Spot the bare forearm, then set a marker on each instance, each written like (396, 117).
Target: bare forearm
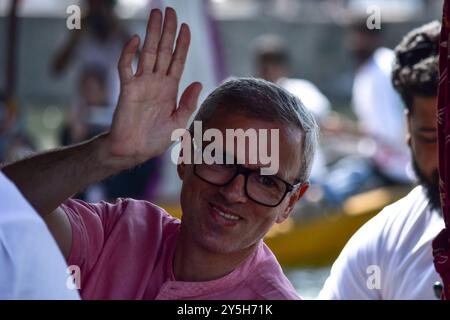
(48, 179)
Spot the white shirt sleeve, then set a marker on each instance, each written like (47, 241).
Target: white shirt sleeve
(356, 274)
(32, 267)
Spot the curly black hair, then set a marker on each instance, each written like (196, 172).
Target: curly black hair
(415, 70)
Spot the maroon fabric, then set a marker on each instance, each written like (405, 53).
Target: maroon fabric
(441, 244)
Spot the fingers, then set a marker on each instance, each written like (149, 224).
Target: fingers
(157, 53)
(165, 47)
(149, 51)
(188, 102)
(126, 59)
(181, 50)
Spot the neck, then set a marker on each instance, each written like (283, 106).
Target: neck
(195, 263)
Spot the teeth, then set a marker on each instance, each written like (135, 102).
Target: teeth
(226, 215)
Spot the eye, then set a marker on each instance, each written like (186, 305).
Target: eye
(427, 139)
(267, 181)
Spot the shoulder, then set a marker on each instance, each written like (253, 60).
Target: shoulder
(301, 88)
(122, 206)
(384, 57)
(127, 213)
(19, 222)
(297, 83)
(377, 68)
(267, 279)
(145, 213)
(376, 243)
(309, 94)
(397, 214)
(127, 226)
(399, 217)
(13, 205)
(392, 222)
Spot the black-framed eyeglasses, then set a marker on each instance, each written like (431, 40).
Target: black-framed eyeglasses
(266, 190)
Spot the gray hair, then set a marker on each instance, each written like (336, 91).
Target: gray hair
(264, 100)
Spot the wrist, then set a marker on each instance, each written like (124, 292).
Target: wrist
(110, 157)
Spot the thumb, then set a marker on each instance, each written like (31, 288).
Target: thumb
(188, 103)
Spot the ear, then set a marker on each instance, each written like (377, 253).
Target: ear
(293, 199)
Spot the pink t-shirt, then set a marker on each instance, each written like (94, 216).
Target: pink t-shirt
(125, 251)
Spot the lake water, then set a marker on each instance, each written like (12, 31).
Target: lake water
(308, 282)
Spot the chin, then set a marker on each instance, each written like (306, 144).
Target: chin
(216, 244)
(221, 245)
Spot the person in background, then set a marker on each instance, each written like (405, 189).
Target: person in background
(384, 159)
(390, 257)
(97, 43)
(378, 106)
(90, 116)
(273, 63)
(94, 51)
(338, 181)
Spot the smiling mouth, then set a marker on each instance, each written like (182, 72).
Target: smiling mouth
(226, 214)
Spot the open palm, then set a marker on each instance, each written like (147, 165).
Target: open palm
(147, 110)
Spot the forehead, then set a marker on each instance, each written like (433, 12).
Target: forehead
(289, 142)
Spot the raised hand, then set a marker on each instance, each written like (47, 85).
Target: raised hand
(147, 110)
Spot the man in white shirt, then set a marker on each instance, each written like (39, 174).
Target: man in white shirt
(390, 257)
(32, 267)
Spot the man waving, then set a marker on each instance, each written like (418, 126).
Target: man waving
(135, 250)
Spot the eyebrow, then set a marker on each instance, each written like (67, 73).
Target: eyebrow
(256, 168)
(227, 154)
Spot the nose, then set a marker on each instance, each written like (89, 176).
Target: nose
(235, 190)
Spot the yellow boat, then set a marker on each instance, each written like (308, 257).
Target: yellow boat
(318, 241)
